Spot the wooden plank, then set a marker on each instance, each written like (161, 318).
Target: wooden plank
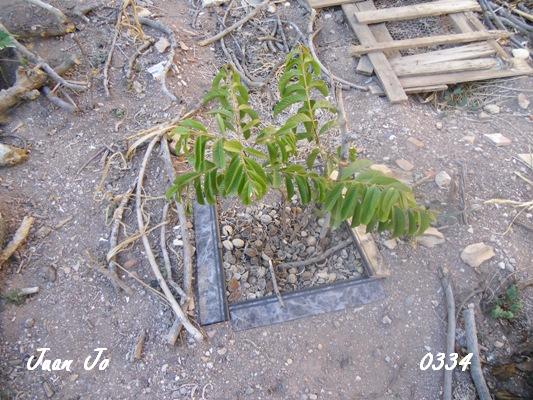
(377, 90)
(416, 11)
(364, 66)
(316, 4)
(465, 52)
(383, 70)
(445, 66)
(478, 25)
(428, 41)
(520, 67)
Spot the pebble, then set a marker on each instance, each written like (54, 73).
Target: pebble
(498, 139)
(438, 125)
(292, 279)
(404, 164)
(443, 180)
(417, 143)
(498, 344)
(238, 243)
(390, 244)
(162, 44)
(51, 274)
(311, 241)
(29, 323)
(477, 253)
(227, 245)
(227, 230)
(492, 108)
(430, 238)
(501, 264)
(313, 396)
(265, 219)
(222, 351)
(523, 101)
(522, 54)
(289, 361)
(386, 320)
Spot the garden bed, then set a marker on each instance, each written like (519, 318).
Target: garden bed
(288, 234)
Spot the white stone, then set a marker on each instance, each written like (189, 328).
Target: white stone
(477, 253)
(238, 243)
(386, 320)
(404, 164)
(498, 139)
(430, 238)
(162, 44)
(527, 158)
(443, 180)
(227, 245)
(523, 101)
(522, 54)
(492, 108)
(390, 244)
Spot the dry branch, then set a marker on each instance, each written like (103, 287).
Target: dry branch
(28, 80)
(236, 25)
(20, 236)
(314, 260)
(56, 12)
(149, 253)
(274, 281)
(472, 345)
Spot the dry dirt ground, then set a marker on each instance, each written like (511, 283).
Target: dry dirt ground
(353, 354)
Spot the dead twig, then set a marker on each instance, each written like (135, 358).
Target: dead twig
(149, 253)
(319, 258)
(57, 101)
(131, 63)
(472, 345)
(274, 280)
(236, 25)
(115, 281)
(20, 236)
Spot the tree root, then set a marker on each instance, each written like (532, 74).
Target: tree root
(20, 236)
(149, 253)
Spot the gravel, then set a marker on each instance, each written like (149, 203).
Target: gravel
(252, 235)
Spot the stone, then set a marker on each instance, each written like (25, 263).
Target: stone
(265, 219)
(430, 238)
(522, 54)
(50, 274)
(527, 158)
(386, 320)
(222, 351)
(443, 180)
(227, 230)
(498, 344)
(385, 170)
(492, 108)
(311, 241)
(523, 101)
(43, 232)
(238, 243)
(227, 245)
(469, 139)
(404, 164)
(137, 87)
(130, 263)
(438, 125)
(417, 143)
(29, 323)
(390, 244)
(498, 139)
(292, 279)
(477, 253)
(289, 361)
(483, 115)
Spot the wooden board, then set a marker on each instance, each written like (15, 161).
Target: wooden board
(444, 66)
(465, 52)
(328, 3)
(416, 11)
(428, 41)
(364, 66)
(382, 68)
(374, 88)
(478, 25)
(520, 67)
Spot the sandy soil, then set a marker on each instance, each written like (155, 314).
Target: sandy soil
(353, 354)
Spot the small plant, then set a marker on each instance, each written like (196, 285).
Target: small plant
(14, 297)
(246, 158)
(508, 306)
(5, 40)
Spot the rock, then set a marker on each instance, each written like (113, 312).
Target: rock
(386, 320)
(162, 44)
(313, 396)
(50, 274)
(404, 164)
(137, 87)
(483, 115)
(238, 243)
(227, 245)
(527, 158)
(443, 180)
(222, 351)
(523, 101)
(292, 279)
(385, 170)
(130, 263)
(303, 234)
(498, 139)
(43, 232)
(417, 143)
(157, 70)
(492, 108)
(469, 139)
(265, 219)
(390, 244)
(311, 241)
(29, 323)
(438, 125)
(289, 361)
(475, 254)
(501, 265)
(522, 54)
(227, 230)
(498, 344)
(430, 238)
(178, 242)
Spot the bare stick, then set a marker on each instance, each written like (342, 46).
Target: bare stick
(149, 253)
(450, 336)
(115, 227)
(41, 63)
(236, 25)
(174, 332)
(166, 258)
(110, 54)
(274, 280)
(20, 236)
(472, 346)
(57, 13)
(27, 291)
(57, 101)
(314, 260)
(345, 84)
(131, 63)
(170, 60)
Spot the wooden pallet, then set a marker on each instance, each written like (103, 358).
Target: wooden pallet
(476, 54)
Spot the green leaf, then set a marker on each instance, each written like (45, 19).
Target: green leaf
(354, 168)
(233, 146)
(310, 160)
(192, 123)
(327, 126)
(5, 40)
(332, 197)
(219, 157)
(425, 220)
(370, 204)
(304, 189)
(349, 202)
(198, 189)
(320, 86)
(398, 218)
(296, 120)
(289, 186)
(288, 101)
(199, 153)
(221, 124)
(388, 199)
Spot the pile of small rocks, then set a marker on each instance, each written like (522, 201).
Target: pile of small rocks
(283, 233)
